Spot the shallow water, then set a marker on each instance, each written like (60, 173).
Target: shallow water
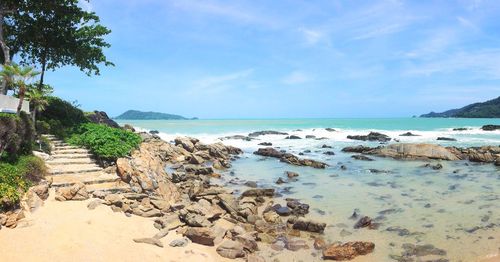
(455, 209)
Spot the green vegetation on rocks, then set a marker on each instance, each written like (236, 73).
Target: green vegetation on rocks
(488, 109)
(17, 176)
(105, 142)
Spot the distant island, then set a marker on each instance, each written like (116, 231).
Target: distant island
(488, 109)
(140, 115)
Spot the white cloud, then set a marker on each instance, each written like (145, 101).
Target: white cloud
(219, 83)
(311, 36)
(296, 77)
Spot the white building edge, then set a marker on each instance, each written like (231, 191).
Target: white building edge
(8, 104)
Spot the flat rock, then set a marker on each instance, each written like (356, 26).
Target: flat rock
(149, 240)
(347, 251)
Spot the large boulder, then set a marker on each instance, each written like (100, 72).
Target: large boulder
(145, 172)
(201, 235)
(231, 249)
(307, 225)
(289, 158)
(490, 127)
(347, 251)
(372, 136)
(100, 117)
(415, 151)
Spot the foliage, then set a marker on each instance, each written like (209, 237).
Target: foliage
(38, 97)
(62, 117)
(17, 176)
(16, 134)
(55, 33)
(18, 77)
(105, 142)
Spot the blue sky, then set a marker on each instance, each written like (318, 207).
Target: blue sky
(286, 59)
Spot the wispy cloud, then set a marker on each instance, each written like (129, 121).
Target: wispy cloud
(311, 36)
(219, 83)
(296, 77)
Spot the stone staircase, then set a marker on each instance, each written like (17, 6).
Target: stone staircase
(69, 165)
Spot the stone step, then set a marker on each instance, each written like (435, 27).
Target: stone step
(64, 147)
(73, 169)
(110, 187)
(87, 178)
(70, 151)
(70, 161)
(72, 156)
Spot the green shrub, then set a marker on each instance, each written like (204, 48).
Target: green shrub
(105, 142)
(17, 176)
(62, 116)
(16, 134)
(42, 127)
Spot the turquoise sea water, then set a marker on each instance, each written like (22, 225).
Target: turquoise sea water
(455, 209)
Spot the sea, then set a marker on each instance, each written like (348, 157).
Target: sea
(448, 214)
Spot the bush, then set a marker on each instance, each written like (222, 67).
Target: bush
(42, 127)
(17, 176)
(16, 134)
(62, 116)
(105, 142)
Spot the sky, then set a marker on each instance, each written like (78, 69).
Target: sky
(291, 58)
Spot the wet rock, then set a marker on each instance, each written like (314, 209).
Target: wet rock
(326, 146)
(230, 249)
(265, 144)
(280, 181)
(310, 136)
(149, 240)
(297, 208)
(329, 153)
(347, 251)
(180, 242)
(258, 192)
(378, 171)
(362, 157)
(282, 210)
(251, 184)
(490, 127)
(359, 149)
(78, 191)
(289, 158)
(266, 132)
(446, 139)
(307, 225)
(408, 134)
(330, 129)
(365, 222)
(186, 143)
(291, 174)
(415, 151)
(422, 250)
(399, 230)
(293, 137)
(372, 136)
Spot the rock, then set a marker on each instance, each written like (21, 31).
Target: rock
(326, 146)
(272, 217)
(446, 138)
(258, 192)
(186, 143)
(267, 132)
(281, 210)
(347, 251)
(296, 244)
(359, 149)
(415, 151)
(94, 203)
(408, 134)
(265, 144)
(307, 225)
(330, 129)
(289, 158)
(298, 209)
(490, 127)
(372, 136)
(460, 129)
(12, 217)
(255, 258)
(230, 249)
(362, 157)
(100, 117)
(78, 191)
(329, 153)
(422, 250)
(319, 244)
(293, 137)
(160, 204)
(310, 136)
(251, 184)
(114, 199)
(200, 235)
(180, 242)
(291, 174)
(365, 222)
(33, 201)
(149, 240)
(129, 128)
(280, 181)
(42, 190)
(196, 160)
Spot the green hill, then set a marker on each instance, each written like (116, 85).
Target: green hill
(488, 109)
(139, 115)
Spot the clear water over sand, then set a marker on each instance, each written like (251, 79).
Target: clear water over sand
(456, 208)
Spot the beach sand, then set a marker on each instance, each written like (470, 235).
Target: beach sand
(68, 231)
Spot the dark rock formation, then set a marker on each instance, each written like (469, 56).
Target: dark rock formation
(100, 117)
(372, 136)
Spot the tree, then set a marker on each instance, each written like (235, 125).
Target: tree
(39, 98)
(7, 8)
(18, 77)
(55, 33)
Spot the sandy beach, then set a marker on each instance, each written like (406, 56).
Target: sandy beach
(59, 231)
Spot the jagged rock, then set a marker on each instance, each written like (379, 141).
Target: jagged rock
(149, 240)
(258, 192)
(362, 157)
(230, 249)
(307, 225)
(248, 240)
(372, 136)
(358, 149)
(348, 251)
(365, 222)
(416, 151)
(293, 137)
(490, 127)
(33, 201)
(12, 217)
(114, 199)
(100, 117)
(42, 190)
(78, 191)
(200, 235)
(289, 158)
(272, 217)
(160, 204)
(186, 143)
(267, 132)
(298, 209)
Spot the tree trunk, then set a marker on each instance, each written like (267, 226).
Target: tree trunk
(44, 66)
(6, 53)
(22, 90)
